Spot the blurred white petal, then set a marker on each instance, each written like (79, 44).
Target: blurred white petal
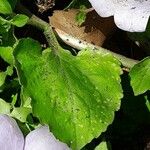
(11, 138)
(42, 139)
(129, 15)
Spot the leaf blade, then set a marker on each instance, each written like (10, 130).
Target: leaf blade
(72, 91)
(19, 20)
(140, 76)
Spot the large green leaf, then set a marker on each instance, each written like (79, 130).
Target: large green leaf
(140, 76)
(75, 95)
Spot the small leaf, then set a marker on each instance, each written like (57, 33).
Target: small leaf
(147, 103)
(76, 96)
(20, 113)
(4, 107)
(5, 7)
(8, 38)
(9, 70)
(6, 54)
(14, 100)
(2, 78)
(3, 75)
(81, 15)
(19, 20)
(140, 76)
(102, 146)
(5, 25)
(77, 3)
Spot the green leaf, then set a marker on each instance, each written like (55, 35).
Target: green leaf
(8, 38)
(4, 25)
(5, 7)
(147, 103)
(20, 113)
(9, 71)
(77, 3)
(76, 95)
(102, 146)
(14, 100)
(7, 54)
(81, 15)
(19, 20)
(140, 76)
(4, 107)
(2, 78)
(12, 3)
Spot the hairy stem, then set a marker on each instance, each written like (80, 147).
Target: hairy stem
(42, 25)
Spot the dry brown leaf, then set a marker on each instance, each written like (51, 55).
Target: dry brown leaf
(94, 30)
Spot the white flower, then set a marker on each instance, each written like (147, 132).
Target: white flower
(129, 15)
(42, 139)
(11, 137)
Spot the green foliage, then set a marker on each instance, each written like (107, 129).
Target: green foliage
(2, 78)
(5, 7)
(13, 3)
(21, 113)
(19, 20)
(4, 74)
(77, 96)
(81, 15)
(7, 22)
(7, 54)
(82, 6)
(140, 76)
(78, 3)
(102, 146)
(73, 91)
(5, 107)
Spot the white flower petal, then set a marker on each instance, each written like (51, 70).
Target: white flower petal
(131, 21)
(11, 138)
(104, 8)
(129, 15)
(42, 139)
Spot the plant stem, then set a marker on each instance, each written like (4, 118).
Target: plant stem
(72, 41)
(47, 30)
(42, 25)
